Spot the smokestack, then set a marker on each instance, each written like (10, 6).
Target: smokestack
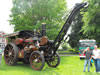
(43, 29)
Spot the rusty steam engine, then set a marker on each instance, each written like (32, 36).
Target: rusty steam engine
(34, 47)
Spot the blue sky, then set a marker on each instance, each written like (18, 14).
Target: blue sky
(5, 7)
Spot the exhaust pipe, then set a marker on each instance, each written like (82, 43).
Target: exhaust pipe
(43, 29)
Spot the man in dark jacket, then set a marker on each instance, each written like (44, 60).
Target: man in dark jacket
(87, 58)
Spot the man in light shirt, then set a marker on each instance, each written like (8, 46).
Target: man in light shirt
(96, 54)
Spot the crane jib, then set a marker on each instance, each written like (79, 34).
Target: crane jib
(65, 27)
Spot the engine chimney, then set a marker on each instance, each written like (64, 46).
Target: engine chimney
(43, 29)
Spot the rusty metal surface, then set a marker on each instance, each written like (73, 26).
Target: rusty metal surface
(21, 54)
(44, 40)
(18, 41)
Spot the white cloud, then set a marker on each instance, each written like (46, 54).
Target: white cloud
(71, 3)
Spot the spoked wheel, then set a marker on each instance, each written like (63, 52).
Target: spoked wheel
(37, 60)
(10, 54)
(54, 61)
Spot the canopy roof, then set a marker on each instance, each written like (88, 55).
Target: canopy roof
(22, 34)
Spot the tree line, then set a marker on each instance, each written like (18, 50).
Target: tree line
(29, 14)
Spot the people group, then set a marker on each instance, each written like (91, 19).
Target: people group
(95, 54)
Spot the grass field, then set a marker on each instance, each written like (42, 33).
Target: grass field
(70, 65)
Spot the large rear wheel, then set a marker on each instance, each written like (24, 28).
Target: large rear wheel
(37, 60)
(54, 61)
(10, 54)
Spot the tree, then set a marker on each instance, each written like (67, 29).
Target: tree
(29, 14)
(91, 19)
(76, 35)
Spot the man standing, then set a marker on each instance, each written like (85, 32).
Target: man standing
(87, 58)
(96, 54)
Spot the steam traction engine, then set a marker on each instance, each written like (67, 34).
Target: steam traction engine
(34, 47)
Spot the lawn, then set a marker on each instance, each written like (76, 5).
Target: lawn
(70, 65)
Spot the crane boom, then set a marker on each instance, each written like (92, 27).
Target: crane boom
(65, 27)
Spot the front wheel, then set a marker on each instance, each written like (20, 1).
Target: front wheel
(54, 61)
(11, 54)
(37, 60)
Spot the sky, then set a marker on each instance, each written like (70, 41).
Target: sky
(5, 7)
(71, 3)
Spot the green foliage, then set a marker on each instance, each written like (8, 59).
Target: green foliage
(86, 24)
(91, 19)
(65, 46)
(72, 50)
(29, 14)
(76, 35)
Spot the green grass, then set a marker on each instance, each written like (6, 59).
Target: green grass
(68, 66)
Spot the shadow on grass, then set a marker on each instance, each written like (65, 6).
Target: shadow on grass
(26, 69)
(68, 66)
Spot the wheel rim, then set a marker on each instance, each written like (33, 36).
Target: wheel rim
(36, 61)
(9, 54)
(54, 61)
